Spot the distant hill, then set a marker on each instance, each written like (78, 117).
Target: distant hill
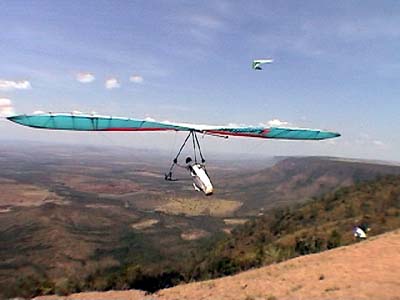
(297, 179)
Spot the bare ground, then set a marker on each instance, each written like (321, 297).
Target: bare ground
(194, 234)
(200, 206)
(91, 184)
(144, 224)
(367, 270)
(17, 194)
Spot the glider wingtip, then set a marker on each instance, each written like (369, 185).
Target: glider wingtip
(12, 118)
(332, 135)
(16, 119)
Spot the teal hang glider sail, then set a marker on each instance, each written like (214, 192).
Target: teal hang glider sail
(87, 122)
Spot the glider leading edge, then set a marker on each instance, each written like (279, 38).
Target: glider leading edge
(201, 180)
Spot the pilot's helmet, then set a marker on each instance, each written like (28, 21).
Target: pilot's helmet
(188, 160)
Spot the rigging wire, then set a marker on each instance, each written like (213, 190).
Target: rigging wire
(196, 148)
(168, 176)
(201, 154)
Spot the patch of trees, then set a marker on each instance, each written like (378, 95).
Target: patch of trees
(132, 277)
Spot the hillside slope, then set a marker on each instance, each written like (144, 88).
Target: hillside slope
(366, 270)
(297, 179)
(319, 224)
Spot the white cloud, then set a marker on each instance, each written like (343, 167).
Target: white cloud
(206, 21)
(136, 79)
(6, 108)
(38, 112)
(277, 123)
(200, 30)
(330, 142)
(369, 28)
(365, 139)
(85, 77)
(9, 85)
(378, 143)
(112, 83)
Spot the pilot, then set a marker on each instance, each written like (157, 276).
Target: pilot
(189, 163)
(201, 180)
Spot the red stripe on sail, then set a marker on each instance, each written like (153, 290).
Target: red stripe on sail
(135, 129)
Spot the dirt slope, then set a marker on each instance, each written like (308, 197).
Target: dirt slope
(367, 270)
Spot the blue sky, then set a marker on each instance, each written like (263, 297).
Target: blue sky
(336, 66)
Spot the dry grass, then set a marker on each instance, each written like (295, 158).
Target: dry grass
(201, 206)
(91, 184)
(194, 235)
(111, 295)
(16, 194)
(6, 180)
(227, 230)
(103, 206)
(144, 224)
(234, 222)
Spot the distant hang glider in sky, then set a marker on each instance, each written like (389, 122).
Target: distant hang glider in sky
(83, 122)
(257, 63)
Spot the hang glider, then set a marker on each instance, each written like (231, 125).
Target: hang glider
(198, 172)
(83, 122)
(257, 63)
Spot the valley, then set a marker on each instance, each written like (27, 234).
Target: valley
(74, 218)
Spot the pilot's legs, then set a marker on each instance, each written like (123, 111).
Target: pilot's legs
(196, 188)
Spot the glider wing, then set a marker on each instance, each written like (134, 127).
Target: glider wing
(82, 122)
(258, 62)
(276, 133)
